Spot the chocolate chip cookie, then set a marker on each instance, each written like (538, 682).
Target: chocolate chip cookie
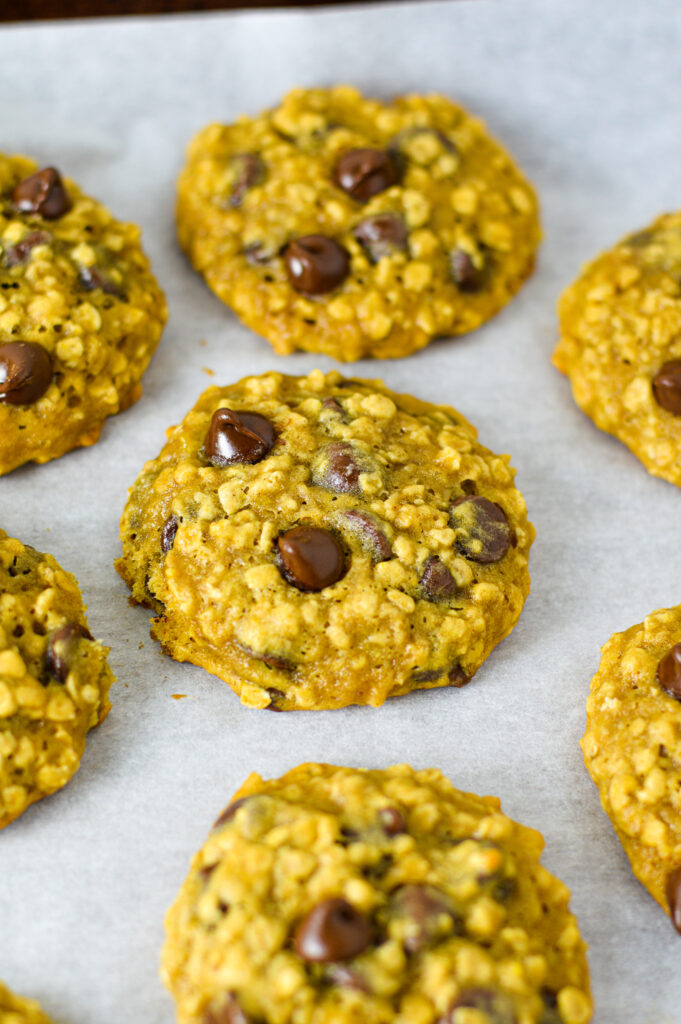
(318, 541)
(17, 1010)
(54, 679)
(632, 748)
(335, 223)
(358, 897)
(620, 344)
(80, 314)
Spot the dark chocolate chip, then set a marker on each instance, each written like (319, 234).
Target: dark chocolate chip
(168, 533)
(333, 406)
(238, 437)
(468, 486)
(339, 468)
(25, 372)
(229, 811)
(673, 893)
(427, 675)
(44, 193)
(20, 252)
(226, 1012)
(273, 660)
(62, 648)
(363, 173)
(392, 821)
(249, 170)
(437, 581)
(457, 677)
(275, 696)
(464, 272)
(669, 672)
(484, 533)
(370, 534)
(333, 930)
(381, 235)
(316, 264)
(667, 387)
(311, 558)
(428, 912)
(92, 278)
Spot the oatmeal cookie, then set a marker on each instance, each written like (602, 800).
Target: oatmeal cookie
(620, 344)
(366, 897)
(80, 314)
(632, 748)
(17, 1010)
(318, 541)
(338, 224)
(54, 679)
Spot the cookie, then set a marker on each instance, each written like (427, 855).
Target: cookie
(80, 314)
(632, 748)
(353, 896)
(620, 344)
(17, 1010)
(318, 541)
(54, 679)
(338, 224)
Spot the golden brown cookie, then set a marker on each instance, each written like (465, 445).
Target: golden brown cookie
(17, 1010)
(317, 541)
(339, 224)
(80, 314)
(620, 344)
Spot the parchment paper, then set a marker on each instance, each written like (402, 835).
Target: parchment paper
(586, 94)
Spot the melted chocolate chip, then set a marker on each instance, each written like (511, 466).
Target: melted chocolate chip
(464, 272)
(363, 173)
(273, 660)
(226, 1012)
(249, 170)
(673, 893)
(168, 533)
(238, 437)
(20, 252)
(669, 672)
(62, 648)
(370, 534)
(92, 278)
(333, 930)
(437, 581)
(340, 469)
(484, 533)
(392, 821)
(311, 558)
(43, 193)
(275, 696)
(428, 913)
(427, 675)
(229, 811)
(667, 387)
(457, 677)
(316, 264)
(25, 372)
(381, 235)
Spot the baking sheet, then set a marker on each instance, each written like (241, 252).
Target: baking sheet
(586, 95)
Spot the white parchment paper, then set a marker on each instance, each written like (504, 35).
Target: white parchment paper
(587, 95)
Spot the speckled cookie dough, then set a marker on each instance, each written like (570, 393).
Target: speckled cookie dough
(338, 224)
(80, 314)
(345, 896)
(620, 344)
(318, 541)
(17, 1010)
(632, 748)
(54, 680)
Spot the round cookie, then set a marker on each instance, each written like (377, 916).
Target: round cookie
(54, 679)
(632, 748)
(337, 224)
(351, 896)
(620, 344)
(17, 1010)
(318, 541)
(80, 314)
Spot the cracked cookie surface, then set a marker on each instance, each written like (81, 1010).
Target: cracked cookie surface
(318, 541)
(54, 679)
(338, 224)
(80, 314)
(620, 344)
(18, 1010)
(632, 748)
(346, 895)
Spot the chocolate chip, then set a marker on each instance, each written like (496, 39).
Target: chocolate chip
(338, 469)
(667, 387)
(238, 437)
(392, 821)
(168, 533)
(316, 264)
(370, 534)
(427, 912)
(669, 672)
(469, 486)
(333, 930)
(229, 811)
(427, 675)
(92, 278)
(464, 272)
(275, 696)
(62, 648)
(673, 893)
(43, 193)
(311, 558)
(333, 406)
(484, 533)
(457, 677)
(25, 372)
(249, 170)
(273, 660)
(363, 173)
(381, 235)
(437, 581)
(20, 252)
(227, 1012)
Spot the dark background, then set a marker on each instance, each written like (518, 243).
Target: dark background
(27, 10)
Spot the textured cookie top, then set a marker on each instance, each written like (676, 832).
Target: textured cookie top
(339, 224)
(361, 544)
(80, 314)
(17, 1010)
(336, 894)
(632, 748)
(620, 344)
(54, 680)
